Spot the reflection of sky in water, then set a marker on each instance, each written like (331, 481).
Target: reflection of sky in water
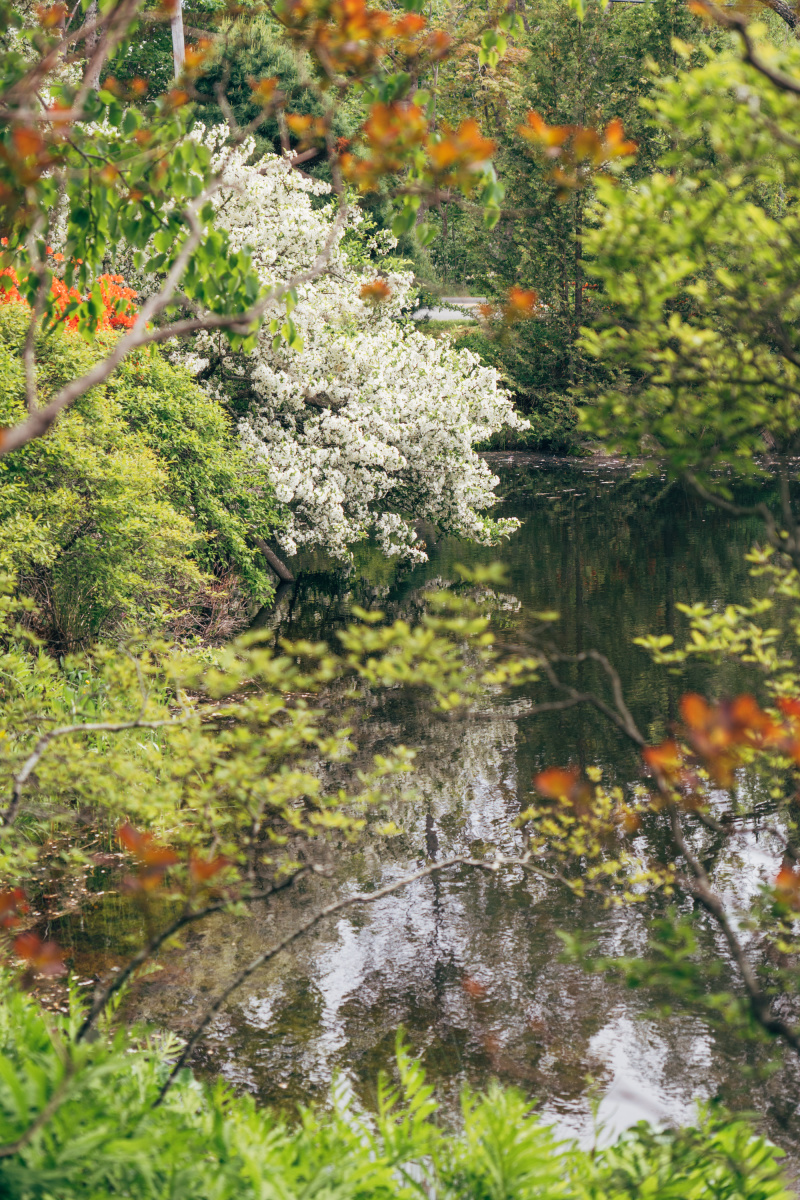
(468, 964)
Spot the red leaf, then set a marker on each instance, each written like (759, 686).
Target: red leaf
(12, 905)
(202, 869)
(45, 957)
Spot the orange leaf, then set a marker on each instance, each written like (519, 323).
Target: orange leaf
(27, 142)
(264, 89)
(203, 869)
(787, 884)
(51, 16)
(665, 759)
(557, 783)
(522, 303)
(12, 905)
(143, 847)
(695, 711)
(375, 292)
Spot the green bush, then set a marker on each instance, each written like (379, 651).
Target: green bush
(101, 1136)
(138, 496)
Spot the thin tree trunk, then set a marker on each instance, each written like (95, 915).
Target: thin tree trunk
(280, 569)
(578, 268)
(92, 68)
(178, 43)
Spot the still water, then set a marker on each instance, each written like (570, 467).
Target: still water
(470, 965)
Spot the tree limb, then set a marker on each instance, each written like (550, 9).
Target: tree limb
(345, 902)
(21, 778)
(157, 941)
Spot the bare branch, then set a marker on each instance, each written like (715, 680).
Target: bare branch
(329, 910)
(620, 716)
(157, 941)
(701, 888)
(29, 766)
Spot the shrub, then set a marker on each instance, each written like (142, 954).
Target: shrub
(137, 494)
(101, 1136)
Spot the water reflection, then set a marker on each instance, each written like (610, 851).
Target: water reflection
(469, 964)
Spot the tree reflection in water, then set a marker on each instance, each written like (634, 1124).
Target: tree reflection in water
(467, 963)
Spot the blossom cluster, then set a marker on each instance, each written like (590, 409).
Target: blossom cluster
(367, 426)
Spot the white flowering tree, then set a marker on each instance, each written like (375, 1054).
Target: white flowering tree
(367, 425)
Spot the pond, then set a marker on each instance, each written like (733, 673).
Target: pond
(470, 965)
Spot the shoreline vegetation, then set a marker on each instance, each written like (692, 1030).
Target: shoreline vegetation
(212, 224)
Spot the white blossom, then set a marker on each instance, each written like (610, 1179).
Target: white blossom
(370, 427)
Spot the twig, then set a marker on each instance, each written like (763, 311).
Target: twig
(39, 422)
(621, 716)
(701, 888)
(157, 941)
(738, 23)
(21, 778)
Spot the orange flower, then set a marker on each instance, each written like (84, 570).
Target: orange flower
(9, 295)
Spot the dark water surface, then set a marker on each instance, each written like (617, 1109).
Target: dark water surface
(468, 964)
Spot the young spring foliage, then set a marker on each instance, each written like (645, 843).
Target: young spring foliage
(104, 1137)
(699, 271)
(136, 501)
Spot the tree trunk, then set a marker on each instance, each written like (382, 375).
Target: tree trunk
(92, 68)
(178, 43)
(280, 569)
(785, 12)
(578, 267)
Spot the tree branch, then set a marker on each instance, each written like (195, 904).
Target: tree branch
(38, 423)
(21, 778)
(491, 865)
(738, 23)
(157, 941)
